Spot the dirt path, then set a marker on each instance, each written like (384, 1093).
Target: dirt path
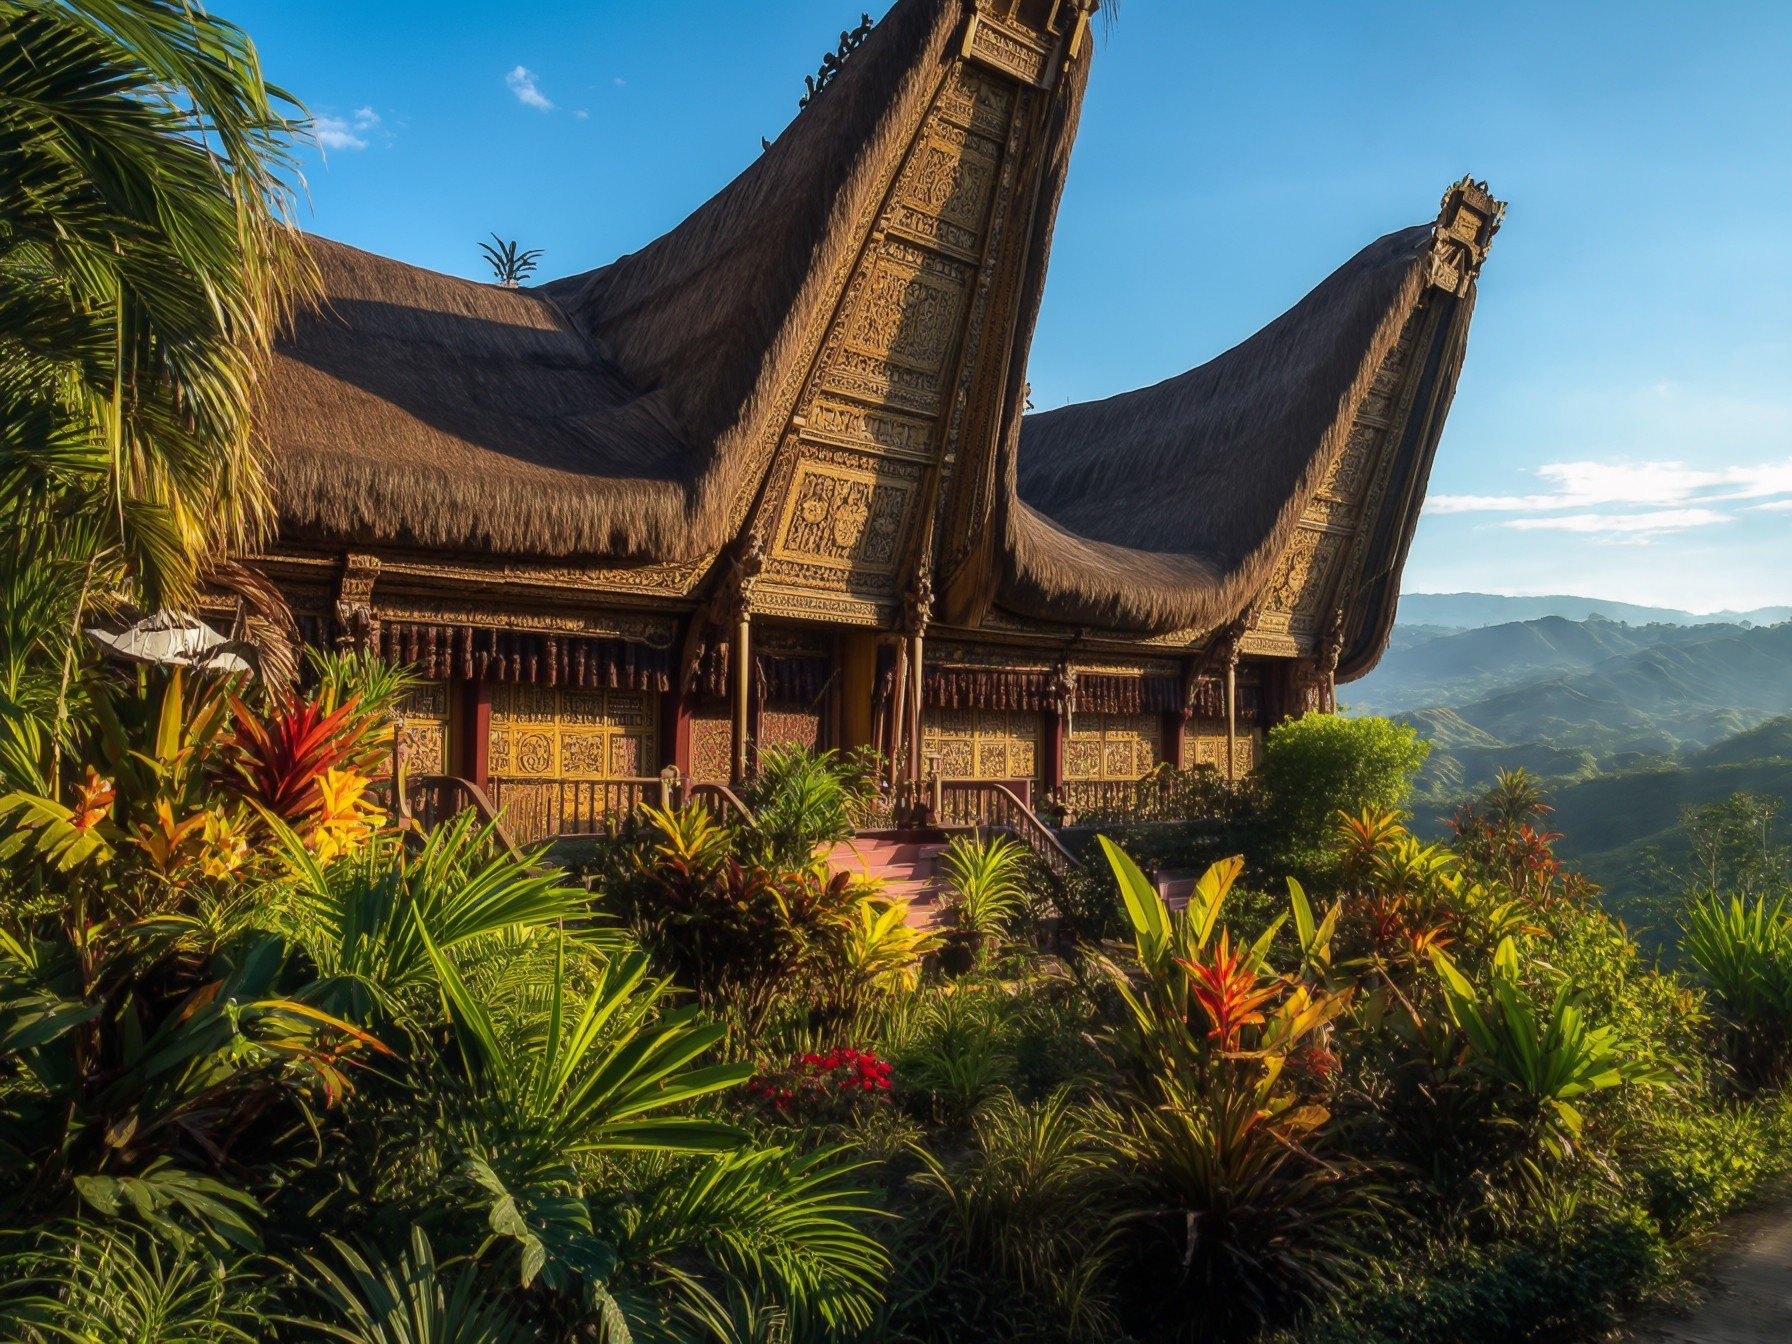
(1746, 1291)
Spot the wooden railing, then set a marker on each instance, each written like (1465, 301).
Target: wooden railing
(430, 800)
(529, 811)
(976, 802)
(1166, 794)
(545, 809)
(721, 802)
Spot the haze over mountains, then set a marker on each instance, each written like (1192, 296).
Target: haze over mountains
(1628, 713)
(1464, 611)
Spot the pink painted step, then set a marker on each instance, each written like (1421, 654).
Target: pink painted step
(908, 869)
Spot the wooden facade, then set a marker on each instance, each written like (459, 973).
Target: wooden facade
(770, 481)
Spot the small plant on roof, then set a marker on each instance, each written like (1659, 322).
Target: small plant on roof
(510, 266)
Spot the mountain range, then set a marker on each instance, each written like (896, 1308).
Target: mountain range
(1465, 611)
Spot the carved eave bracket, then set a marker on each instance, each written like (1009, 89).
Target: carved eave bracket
(356, 625)
(1465, 227)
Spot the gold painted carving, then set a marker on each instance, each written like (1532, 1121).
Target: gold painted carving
(850, 519)
(1012, 50)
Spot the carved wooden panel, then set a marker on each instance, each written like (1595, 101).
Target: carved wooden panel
(1204, 743)
(712, 747)
(1112, 746)
(985, 744)
(546, 732)
(1009, 48)
(845, 518)
(424, 717)
(792, 726)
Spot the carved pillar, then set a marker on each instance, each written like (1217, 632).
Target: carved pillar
(1325, 660)
(1058, 728)
(920, 612)
(1231, 648)
(746, 572)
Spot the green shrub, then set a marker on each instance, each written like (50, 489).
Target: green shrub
(1316, 767)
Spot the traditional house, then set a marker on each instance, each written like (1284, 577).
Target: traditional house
(770, 479)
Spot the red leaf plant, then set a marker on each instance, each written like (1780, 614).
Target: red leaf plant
(1229, 992)
(280, 760)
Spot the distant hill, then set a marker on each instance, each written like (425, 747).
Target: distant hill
(1467, 611)
(1453, 667)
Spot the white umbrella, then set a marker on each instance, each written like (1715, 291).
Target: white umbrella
(173, 639)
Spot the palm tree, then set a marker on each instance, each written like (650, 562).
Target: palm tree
(145, 265)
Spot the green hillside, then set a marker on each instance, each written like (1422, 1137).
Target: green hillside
(1624, 830)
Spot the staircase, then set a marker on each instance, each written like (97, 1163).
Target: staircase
(907, 864)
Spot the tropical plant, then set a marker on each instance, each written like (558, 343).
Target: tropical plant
(955, 1051)
(804, 801)
(509, 266)
(985, 883)
(1032, 1212)
(1743, 949)
(1550, 1057)
(369, 920)
(409, 1299)
(85, 1283)
(1217, 1133)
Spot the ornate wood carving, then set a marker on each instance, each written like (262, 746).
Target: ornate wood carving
(871, 437)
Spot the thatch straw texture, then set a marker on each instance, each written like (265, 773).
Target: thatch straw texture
(622, 413)
(1163, 509)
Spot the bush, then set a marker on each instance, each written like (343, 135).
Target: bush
(1318, 766)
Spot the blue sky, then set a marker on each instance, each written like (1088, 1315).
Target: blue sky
(1624, 425)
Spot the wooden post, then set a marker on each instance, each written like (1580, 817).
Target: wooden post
(914, 707)
(743, 688)
(858, 686)
(675, 727)
(478, 720)
(1173, 755)
(899, 717)
(1232, 717)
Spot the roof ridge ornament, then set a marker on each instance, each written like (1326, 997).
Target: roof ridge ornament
(1466, 222)
(834, 61)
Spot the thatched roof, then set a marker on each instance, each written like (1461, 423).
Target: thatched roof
(1165, 508)
(612, 414)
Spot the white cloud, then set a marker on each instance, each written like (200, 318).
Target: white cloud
(1587, 485)
(1776, 506)
(522, 84)
(1636, 524)
(335, 133)
(582, 115)
(366, 118)
(621, 83)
